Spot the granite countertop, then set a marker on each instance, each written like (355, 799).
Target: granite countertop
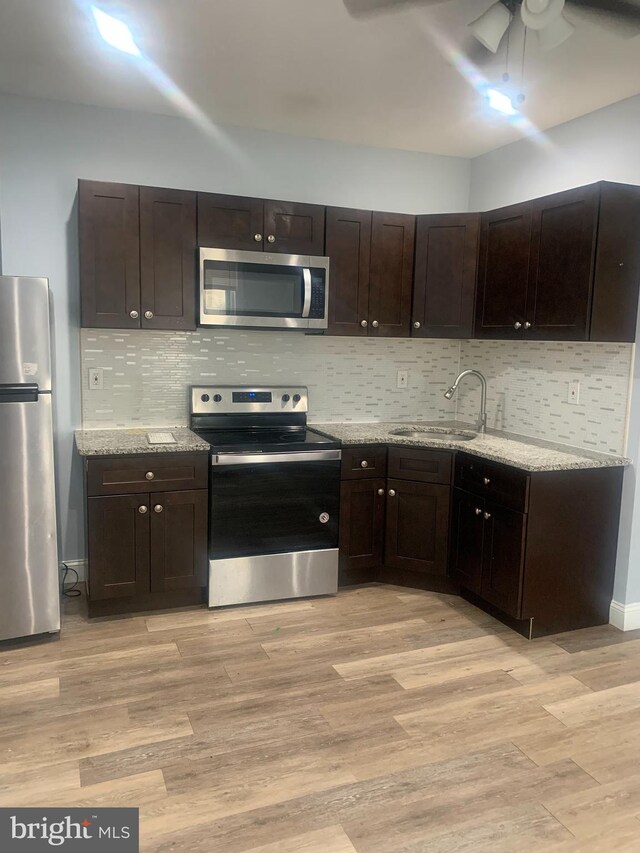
(528, 454)
(116, 442)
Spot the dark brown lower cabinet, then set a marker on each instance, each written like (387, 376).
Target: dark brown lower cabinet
(417, 526)
(467, 538)
(146, 543)
(503, 557)
(362, 504)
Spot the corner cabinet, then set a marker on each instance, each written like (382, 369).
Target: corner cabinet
(147, 519)
(137, 257)
(444, 287)
(371, 273)
(563, 267)
(257, 225)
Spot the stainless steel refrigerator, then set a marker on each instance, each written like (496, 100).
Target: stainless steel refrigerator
(29, 586)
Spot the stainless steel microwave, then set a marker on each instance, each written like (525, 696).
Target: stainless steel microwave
(259, 290)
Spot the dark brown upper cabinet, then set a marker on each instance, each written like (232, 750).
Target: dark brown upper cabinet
(255, 224)
(167, 259)
(109, 247)
(503, 272)
(371, 272)
(563, 267)
(445, 275)
(348, 246)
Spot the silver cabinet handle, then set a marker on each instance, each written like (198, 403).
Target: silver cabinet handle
(142, 509)
(417, 324)
(133, 314)
(487, 516)
(149, 475)
(148, 315)
(364, 323)
(478, 511)
(364, 464)
(517, 325)
(271, 238)
(375, 324)
(158, 508)
(486, 481)
(527, 325)
(392, 493)
(257, 237)
(381, 491)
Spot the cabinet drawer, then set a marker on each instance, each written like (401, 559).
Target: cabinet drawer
(502, 483)
(364, 462)
(121, 475)
(422, 466)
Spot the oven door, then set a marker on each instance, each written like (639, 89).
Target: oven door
(275, 503)
(254, 289)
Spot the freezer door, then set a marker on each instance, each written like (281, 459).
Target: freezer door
(30, 602)
(25, 350)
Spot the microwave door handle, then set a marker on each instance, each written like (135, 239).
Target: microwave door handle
(306, 307)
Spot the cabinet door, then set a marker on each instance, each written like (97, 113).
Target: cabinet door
(109, 248)
(503, 272)
(467, 537)
(348, 246)
(294, 228)
(444, 287)
(230, 222)
(391, 282)
(417, 527)
(179, 540)
(167, 258)
(118, 544)
(361, 529)
(503, 557)
(563, 239)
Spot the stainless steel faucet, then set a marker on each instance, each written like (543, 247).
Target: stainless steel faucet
(482, 420)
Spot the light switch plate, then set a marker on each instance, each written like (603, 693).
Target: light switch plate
(95, 379)
(403, 378)
(573, 392)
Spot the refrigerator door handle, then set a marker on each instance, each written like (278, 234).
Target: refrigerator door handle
(27, 393)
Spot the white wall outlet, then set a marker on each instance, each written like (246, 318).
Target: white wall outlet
(573, 392)
(403, 379)
(95, 379)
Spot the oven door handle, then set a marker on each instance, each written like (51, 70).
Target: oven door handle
(306, 307)
(276, 458)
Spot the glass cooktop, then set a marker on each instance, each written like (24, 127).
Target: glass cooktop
(265, 440)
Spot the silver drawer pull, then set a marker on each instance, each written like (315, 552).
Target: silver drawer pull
(133, 315)
(487, 516)
(417, 324)
(142, 509)
(392, 493)
(148, 315)
(517, 325)
(381, 491)
(150, 475)
(271, 238)
(375, 324)
(257, 237)
(486, 481)
(364, 323)
(364, 464)
(527, 325)
(158, 508)
(478, 511)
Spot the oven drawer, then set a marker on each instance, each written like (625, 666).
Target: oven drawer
(368, 461)
(422, 466)
(501, 483)
(156, 472)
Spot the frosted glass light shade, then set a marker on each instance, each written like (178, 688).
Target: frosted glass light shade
(491, 26)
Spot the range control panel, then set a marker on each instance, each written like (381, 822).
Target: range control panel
(231, 399)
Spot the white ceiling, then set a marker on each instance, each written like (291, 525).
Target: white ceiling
(305, 67)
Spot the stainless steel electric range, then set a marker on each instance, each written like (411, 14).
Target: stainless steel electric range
(274, 494)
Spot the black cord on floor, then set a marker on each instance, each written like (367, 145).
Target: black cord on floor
(73, 591)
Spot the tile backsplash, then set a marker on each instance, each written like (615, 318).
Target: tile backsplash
(147, 375)
(527, 387)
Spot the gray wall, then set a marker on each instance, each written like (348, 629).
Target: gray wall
(604, 145)
(45, 146)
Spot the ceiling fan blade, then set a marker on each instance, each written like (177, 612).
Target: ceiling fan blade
(367, 8)
(620, 15)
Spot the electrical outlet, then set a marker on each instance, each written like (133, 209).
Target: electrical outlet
(573, 393)
(403, 379)
(95, 379)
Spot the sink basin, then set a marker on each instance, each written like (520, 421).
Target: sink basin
(435, 432)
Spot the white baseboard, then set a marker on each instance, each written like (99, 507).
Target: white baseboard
(79, 565)
(626, 617)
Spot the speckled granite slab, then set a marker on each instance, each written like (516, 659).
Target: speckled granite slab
(117, 442)
(528, 454)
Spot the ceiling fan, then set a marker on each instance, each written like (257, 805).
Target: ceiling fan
(545, 17)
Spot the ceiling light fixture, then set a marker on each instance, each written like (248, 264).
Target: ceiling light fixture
(115, 32)
(491, 26)
(545, 16)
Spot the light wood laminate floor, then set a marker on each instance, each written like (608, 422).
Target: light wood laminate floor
(379, 721)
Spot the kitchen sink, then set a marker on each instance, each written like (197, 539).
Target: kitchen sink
(435, 432)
